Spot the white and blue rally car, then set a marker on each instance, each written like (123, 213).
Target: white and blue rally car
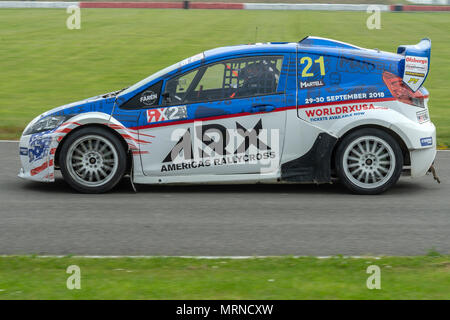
(315, 111)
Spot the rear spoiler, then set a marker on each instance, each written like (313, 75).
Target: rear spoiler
(416, 63)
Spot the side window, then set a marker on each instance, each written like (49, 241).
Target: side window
(177, 88)
(145, 99)
(213, 78)
(228, 79)
(252, 76)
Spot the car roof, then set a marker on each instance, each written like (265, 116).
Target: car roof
(309, 44)
(270, 47)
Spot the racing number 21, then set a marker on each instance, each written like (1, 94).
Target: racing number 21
(308, 61)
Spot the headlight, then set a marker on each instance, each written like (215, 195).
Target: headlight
(45, 124)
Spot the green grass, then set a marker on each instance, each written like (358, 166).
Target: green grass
(425, 277)
(43, 64)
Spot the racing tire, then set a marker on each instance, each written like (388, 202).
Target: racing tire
(369, 161)
(92, 160)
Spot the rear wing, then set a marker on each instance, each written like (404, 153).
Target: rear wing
(416, 63)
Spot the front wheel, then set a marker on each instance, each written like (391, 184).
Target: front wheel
(92, 160)
(369, 161)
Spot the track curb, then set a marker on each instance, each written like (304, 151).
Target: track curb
(223, 6)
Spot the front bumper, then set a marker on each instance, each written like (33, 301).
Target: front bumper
(37, 153)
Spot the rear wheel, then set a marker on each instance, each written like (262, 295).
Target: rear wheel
(92, 160)
(369, 161)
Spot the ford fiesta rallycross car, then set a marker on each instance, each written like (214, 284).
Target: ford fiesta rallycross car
(307, 112)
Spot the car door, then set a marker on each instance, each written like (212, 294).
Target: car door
(314, 83)
(222, 118)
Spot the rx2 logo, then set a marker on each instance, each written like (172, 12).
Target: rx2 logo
(163, 114)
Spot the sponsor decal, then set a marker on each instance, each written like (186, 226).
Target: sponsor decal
(416, 60)
(192, 59)
(164, 114)
(416, 68)
(427, 141)
(23, 151)
(413, 80)
(423, 116)
(38, 147)
(228, 160)
(354, 66)
(148, 97)
(311, 84)
(365, 66)
(345, 97)
(340, 112)
(415, 74)
(215, 145)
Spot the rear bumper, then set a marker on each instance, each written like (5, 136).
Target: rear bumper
(424, 151)
(421, 161)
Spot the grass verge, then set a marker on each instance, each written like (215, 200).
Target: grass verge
(28, 277)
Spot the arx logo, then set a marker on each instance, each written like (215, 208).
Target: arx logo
(215, 140)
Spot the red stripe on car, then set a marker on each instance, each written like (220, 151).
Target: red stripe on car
(243, 114)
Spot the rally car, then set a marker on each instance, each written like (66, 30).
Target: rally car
(315, 111)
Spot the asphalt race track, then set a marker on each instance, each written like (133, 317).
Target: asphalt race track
(233, 220)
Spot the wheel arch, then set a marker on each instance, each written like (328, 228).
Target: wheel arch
(394, 134)
(104, 126)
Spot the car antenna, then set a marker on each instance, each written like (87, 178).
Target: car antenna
(256, 33)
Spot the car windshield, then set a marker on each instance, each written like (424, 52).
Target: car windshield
(162, 72)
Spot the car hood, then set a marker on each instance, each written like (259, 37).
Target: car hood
(69, 108)
(100, 103)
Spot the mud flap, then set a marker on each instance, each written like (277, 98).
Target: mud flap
(314, 166)
(132, 174)
(433, 172)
